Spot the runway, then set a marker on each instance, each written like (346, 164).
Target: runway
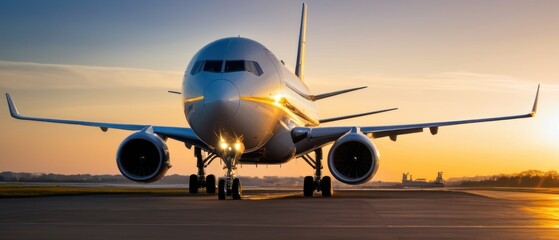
(272, 214)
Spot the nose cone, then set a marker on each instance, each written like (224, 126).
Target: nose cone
(221, 100)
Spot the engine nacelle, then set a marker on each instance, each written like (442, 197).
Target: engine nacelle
(143, 157)
(353, 159)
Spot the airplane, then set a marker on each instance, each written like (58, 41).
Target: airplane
(244, 106)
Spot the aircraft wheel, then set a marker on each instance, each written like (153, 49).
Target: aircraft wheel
(221, 189)
(308, 186)
(326, 186)
(237, 189)
(193, 184)
(210, 184)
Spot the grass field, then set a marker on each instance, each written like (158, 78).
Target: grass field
(9, 191)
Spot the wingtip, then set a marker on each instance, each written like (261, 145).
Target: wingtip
(11, 106)
(535, 107)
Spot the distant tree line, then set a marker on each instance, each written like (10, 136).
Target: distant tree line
(119, 179)
(50, 177)
(530, 178)
(266, 181)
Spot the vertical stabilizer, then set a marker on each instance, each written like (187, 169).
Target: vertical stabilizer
(299, 68)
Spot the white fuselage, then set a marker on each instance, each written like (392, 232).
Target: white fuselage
(236, 90)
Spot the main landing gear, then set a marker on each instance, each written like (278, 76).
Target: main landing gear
(200, 180)
(316, 183)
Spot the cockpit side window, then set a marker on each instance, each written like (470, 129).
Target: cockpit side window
(213, 66)
(254, 68)
(197, 67)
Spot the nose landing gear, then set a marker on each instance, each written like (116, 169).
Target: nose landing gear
(230, 185)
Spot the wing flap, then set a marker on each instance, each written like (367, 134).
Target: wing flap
(394, 133)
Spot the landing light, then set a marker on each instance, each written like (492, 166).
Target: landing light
(230, 148)
(278, 98)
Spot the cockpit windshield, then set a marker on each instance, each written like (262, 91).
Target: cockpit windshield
(234, 66)
(215, 66)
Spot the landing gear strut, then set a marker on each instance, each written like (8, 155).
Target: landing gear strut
(316, 183)
(200, 180)
(230, 185)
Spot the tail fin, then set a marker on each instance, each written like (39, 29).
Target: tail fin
(299, 68)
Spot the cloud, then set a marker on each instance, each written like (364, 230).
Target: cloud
(28, 75)
(445, 81)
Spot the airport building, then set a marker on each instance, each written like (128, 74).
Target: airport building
(408, 182)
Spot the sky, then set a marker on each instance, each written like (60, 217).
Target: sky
(434, 60)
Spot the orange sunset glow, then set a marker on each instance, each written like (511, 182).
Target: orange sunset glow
(434, 60)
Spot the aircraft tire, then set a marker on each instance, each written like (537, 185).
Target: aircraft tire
(308, 186)
(237, 189)
(326, 186)
(221, 189)
(193, 184)
(210, 183)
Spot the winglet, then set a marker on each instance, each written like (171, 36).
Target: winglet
(535, 107)
(13, 109)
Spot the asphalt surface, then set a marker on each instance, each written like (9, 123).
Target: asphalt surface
(273, 214)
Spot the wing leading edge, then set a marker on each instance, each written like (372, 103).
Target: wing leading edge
(185, 135)
(393, 131)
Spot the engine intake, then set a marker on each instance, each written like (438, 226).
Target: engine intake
(143, 157)
(353, 159)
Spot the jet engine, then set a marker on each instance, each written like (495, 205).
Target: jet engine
(143, 157)
(353, 159)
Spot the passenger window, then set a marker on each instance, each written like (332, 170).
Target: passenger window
(213, 66)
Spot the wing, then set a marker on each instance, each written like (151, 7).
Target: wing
(323, 95)
(320, 134)
(355, 115)
(394, 130)
(185, 135)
